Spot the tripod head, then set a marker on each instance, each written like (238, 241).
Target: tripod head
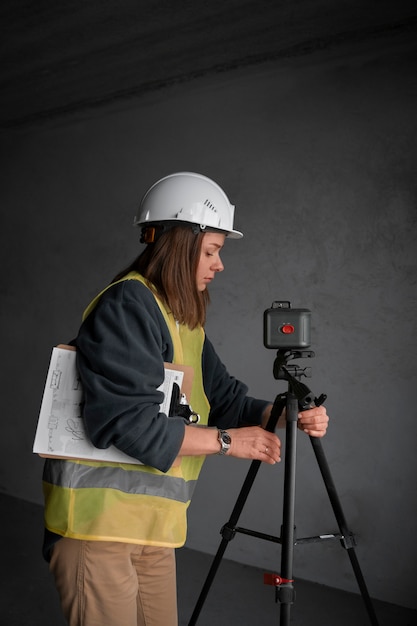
(293, 373)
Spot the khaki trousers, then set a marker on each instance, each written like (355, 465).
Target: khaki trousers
(104, 583)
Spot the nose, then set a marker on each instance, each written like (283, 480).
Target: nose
(217, 266)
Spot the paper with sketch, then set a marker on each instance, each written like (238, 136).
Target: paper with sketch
(60, 431)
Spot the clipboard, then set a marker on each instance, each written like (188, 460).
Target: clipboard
(60, 431)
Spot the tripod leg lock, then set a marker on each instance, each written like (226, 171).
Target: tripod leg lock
(284, 591)
(276, 580)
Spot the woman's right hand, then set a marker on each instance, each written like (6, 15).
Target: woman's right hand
(248, 442)
(256, 443)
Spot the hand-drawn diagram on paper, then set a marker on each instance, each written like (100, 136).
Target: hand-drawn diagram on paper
(60, 431)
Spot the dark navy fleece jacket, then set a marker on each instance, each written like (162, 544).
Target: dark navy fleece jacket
(121, 350)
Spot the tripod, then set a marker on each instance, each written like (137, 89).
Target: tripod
(298, 397)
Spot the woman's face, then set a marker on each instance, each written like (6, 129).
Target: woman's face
(210, 261)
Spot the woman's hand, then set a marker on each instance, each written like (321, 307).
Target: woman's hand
(248, 442)
(256, 443)
(314, 421)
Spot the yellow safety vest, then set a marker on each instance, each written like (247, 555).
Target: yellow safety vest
(131, 503)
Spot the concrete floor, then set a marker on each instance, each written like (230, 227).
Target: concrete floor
(237, 596)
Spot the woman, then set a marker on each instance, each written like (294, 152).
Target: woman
(111, 529)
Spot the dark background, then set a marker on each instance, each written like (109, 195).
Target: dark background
(305, 112)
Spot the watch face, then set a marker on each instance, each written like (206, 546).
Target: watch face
(227, 438)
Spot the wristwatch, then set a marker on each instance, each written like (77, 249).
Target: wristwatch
(225, 440)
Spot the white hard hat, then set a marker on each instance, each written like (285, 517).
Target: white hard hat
(189, 198)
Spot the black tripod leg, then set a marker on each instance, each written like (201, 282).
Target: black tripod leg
(207, 584)
(348, 541)
(228, 530)
(285, 592)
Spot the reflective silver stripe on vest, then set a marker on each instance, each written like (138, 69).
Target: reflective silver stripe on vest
(75, 476)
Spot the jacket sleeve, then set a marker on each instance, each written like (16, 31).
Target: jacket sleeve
(231, 407)
(121, 349)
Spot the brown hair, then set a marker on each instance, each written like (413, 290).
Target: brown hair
(170, 267)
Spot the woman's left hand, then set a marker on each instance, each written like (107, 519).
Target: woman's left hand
(314, 421)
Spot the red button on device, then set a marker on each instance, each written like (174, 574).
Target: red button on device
(287, 329)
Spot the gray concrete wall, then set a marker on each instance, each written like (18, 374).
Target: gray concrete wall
(319, 155)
